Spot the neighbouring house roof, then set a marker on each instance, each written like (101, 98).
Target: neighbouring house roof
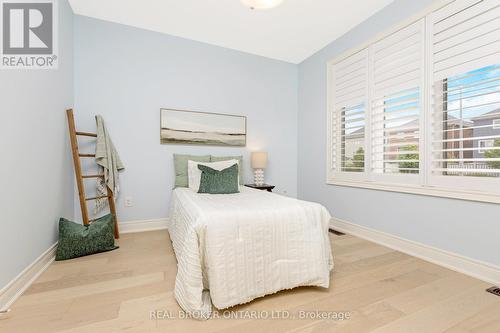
(359, 133)
(455, 120)
(489, 115)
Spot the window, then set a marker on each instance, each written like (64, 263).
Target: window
(484, 146)
(465, 94)
(496, 123)
(347, 117)
(353, 139)
(418, 110)
(397, 70)
(466, 141)
(395, 134)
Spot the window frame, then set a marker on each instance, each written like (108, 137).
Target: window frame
(496, 124)
(425, 183)
(482, 151)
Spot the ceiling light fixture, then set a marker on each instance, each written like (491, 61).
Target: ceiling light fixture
(261, 4)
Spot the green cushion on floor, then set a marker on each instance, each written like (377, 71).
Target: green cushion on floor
(76, 240)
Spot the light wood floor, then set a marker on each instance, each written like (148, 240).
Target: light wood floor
(383, 290)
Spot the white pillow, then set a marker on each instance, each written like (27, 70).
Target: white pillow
(194, 174)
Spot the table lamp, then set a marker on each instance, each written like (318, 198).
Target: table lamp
(259, 163)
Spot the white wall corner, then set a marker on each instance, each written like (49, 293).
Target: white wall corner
(472, 267)
(143, 225)
(15, 288)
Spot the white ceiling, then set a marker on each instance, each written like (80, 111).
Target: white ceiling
(291, 32)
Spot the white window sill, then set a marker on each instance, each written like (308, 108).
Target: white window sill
(420, 190)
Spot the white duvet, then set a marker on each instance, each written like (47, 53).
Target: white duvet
(233, 248)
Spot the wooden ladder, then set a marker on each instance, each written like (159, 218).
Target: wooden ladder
(73, 134)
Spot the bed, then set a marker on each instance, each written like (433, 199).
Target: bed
(233, 248)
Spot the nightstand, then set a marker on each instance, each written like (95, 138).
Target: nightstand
(264, 187)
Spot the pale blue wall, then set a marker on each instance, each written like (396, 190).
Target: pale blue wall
(36, 170)
(467, 228)
(128, 74)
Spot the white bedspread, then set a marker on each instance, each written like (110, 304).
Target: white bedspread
(233, 248)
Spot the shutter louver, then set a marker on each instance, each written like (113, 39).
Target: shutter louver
(466, 36)
(466, 89)
(398, 71)
(347, 113)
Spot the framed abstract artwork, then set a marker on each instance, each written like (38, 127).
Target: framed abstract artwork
(202, 128)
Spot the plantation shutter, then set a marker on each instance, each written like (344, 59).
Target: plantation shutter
(465, 72)
(397, 67)
(347, 114)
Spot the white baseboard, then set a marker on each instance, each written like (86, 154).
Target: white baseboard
(475, 268)
(20, 283)
(143, 225)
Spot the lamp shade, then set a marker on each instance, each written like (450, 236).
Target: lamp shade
(259, 160)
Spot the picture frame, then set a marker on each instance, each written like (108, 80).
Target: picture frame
(202, 128)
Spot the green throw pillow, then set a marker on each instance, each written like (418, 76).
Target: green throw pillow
(76, 240)
(227, 158)
(219, 182)
(181, 167)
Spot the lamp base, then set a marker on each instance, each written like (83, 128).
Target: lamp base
(258, 176)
